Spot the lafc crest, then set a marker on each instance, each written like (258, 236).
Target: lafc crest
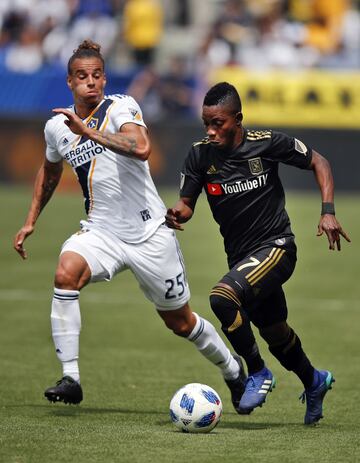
(255, 166)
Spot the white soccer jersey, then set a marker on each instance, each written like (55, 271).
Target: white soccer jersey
(119, 193)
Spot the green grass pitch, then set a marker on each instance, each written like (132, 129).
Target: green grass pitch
(131, 364)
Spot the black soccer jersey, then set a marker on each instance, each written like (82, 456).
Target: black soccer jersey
(243, 187)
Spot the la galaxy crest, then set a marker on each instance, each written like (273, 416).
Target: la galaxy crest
(255, 166)
(93, 123)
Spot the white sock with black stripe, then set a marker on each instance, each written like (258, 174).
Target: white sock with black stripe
(210, 344)
(66, 325)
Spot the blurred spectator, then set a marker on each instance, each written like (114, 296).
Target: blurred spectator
(177, 12)
(323, 23)
(278, 42)
(177, 90)
(92, 18)
(232, 27)
(182, 17)
(170, 94)
(145, 88)
(143, 28)
(24, 54)
(12, 24)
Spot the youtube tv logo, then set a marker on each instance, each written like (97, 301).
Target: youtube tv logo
(214, 189)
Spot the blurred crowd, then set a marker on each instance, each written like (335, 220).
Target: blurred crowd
(253, 34)
(36, 33)
(285, 34)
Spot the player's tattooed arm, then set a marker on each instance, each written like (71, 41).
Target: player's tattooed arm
(119, 143)
(132, 140)
(46, 181)
(49, 181)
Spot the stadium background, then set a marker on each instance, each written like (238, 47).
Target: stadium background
(296, 64)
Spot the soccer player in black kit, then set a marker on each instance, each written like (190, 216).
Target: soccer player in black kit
(238, 169)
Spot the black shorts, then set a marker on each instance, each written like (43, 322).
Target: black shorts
(258, 278)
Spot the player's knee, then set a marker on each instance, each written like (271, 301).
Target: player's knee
(226, 306)
(72, 272)
(181, 326)
(65, 279)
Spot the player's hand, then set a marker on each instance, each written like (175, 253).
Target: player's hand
(172, 219)
(19, 239)
(333, 230)
(73, 121)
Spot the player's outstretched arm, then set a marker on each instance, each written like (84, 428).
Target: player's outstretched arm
(180, 213)
(45, 183)
(132, 140)
(328, 223)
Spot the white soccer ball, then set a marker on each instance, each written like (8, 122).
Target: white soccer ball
(195, 408)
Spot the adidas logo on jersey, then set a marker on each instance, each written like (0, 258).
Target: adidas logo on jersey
(212, 170)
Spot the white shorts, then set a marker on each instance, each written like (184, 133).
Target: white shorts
(157, 263)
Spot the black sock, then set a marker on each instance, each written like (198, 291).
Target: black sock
(291, 356)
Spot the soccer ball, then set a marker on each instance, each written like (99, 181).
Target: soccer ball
(195, 408)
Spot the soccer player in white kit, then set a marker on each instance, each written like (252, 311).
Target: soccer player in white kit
(105, 140)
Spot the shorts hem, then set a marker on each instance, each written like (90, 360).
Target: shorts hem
(171, 308)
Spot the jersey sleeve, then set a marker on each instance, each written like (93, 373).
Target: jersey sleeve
(51, 152)
(126, 110)
(289, 150)
(191, 178)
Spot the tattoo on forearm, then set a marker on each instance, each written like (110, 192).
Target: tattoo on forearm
(121, 143)
(48, 188)
(132, 148)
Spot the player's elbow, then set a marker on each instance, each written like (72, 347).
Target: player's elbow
(319, 162)
(143, 153)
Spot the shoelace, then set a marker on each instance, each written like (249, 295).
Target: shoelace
(252, 379)
(63, 380)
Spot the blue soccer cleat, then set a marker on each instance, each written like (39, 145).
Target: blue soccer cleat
(315, 396)
(257, 388)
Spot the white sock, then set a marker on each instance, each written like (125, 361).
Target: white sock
(209, 343)
(66, 325)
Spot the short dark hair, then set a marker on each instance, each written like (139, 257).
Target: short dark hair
(223, 93)
(86, 49)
